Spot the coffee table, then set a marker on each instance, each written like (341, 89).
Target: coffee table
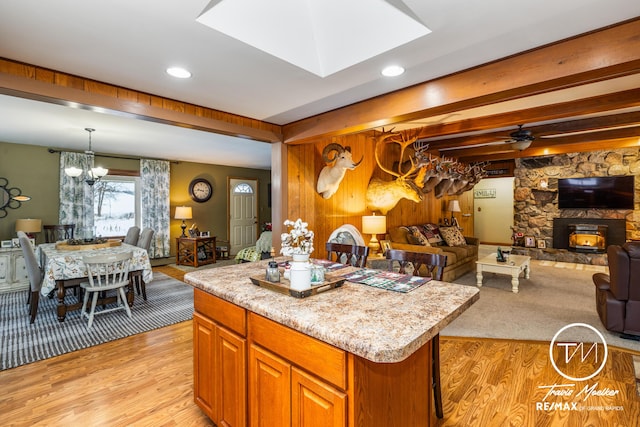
(515, 265)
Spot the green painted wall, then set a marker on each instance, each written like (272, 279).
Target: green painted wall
(35, 171)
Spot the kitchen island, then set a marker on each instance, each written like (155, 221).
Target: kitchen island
(355, 355)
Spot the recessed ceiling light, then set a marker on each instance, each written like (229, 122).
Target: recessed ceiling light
(392, 71)
(178, 72)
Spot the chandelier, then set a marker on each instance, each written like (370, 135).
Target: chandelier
(93, 174)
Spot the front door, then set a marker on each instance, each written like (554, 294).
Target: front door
(243, 212)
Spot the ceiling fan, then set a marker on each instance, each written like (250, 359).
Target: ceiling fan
(520, 139)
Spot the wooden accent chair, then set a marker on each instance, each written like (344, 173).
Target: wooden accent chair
(348, 254)
(427, 265)
(58, 232)
(106, 272)
(34, 272)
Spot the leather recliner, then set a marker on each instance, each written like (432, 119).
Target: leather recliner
(618, 293)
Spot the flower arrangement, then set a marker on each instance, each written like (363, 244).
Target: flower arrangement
(299, 240)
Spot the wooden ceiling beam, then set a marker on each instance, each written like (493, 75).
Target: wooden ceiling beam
(597, 56)
(578, 125)
(610, 140)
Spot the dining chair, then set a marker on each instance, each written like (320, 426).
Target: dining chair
(58, 232)
(133, 234)
(106, 272)
(427, 265)
(348, 254)
(146, 237)
(34, 272)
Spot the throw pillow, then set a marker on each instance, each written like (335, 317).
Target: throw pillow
(453, 236)
(417, 235)
(431, 232)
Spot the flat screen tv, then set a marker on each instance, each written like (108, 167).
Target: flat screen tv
(611, 192)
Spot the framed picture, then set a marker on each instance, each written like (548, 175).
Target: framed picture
(194, 233)
(529, 242)
(7, 244)
(15, 242)
(204, 234)
(542, 244)
(385, 245)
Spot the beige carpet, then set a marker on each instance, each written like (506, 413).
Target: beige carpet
(555, 295)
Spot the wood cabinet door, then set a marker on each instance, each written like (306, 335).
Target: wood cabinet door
(315, 403)
(231, 384)
(269, 389)
(204, 332)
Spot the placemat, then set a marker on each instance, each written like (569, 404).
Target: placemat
(386, 280)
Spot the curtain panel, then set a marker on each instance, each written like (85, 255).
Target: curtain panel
(154, 179)
(76, 197)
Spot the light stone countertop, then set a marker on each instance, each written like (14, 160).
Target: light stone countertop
(379, 325)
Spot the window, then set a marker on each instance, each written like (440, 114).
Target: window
(116, 205)
(243, 188)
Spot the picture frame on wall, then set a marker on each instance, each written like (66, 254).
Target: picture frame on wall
(542, 244)
(529, 242)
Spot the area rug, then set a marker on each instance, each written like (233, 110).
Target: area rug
(556, 294)
(169, 301)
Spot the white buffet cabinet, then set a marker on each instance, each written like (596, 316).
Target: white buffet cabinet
(13, 272)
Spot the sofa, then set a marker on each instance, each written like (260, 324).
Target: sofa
(461, 251)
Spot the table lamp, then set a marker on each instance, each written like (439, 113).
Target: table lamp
(183, 212)
(29, 226)
(372, 224)
(454, 206)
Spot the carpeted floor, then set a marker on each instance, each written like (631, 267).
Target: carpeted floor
(555, 295)
(169, 301)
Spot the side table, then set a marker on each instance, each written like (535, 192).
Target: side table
(195, 251)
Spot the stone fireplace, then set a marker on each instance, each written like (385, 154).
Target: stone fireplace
(536, 211)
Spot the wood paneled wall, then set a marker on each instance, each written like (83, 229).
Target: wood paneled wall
(348, 205)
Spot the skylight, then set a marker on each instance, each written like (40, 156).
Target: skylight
(320, 36)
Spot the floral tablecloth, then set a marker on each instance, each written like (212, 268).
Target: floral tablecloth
(64, 264)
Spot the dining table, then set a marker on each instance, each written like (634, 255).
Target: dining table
(63, 268)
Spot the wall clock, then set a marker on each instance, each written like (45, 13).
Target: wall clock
(200, 190)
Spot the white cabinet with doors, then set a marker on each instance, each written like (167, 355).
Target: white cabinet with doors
(13, 271)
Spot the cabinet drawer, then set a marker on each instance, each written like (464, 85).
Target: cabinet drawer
(315, 356)
(221, 311)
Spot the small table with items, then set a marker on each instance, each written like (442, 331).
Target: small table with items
(195, 251)
(513, 266)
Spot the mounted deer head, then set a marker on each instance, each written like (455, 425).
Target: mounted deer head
(384, 195)
(418, 175)
(331, 175)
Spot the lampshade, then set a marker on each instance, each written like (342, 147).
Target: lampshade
(373, 224)
(183, 212)
(29, 225)
(454, 206)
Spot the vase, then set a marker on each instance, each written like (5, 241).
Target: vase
(300, 274)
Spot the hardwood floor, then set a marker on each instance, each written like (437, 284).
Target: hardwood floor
(147, 380)
(488, 382)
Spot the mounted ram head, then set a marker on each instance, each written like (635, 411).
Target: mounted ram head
(332, 174)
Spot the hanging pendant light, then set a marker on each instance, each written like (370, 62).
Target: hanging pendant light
(94, 174)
